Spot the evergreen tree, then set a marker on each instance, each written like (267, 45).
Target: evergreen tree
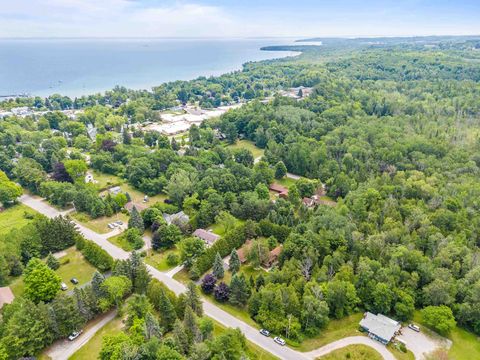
(97, 281)
(136, 220)
(152, 327)
(66, 314)
(190, 325)
(217, 268)
(280, 170)
(239, 291)
(127, 139)
(192, 299)
(166, 310)
(175, 145)
(181, 337)
(259, 282)
(234, 263)
(52, 262)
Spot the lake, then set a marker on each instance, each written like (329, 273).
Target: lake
(77, 67)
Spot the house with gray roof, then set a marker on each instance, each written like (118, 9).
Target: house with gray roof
(207, 236)
(380, 327)
(179, 218)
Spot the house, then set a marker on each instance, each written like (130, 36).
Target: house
(279, 189)
(308, 202)
(6, 296)
(207, 236)
(273, 256)
(243, 251)
(379, 327)
(179, 218)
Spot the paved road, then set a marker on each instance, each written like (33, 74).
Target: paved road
(352, 340)
(63, 349)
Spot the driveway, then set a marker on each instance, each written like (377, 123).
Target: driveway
(352, 340)
(421, 343)
(63, 349)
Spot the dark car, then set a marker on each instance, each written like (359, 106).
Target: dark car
(265, 332)
(74, 281)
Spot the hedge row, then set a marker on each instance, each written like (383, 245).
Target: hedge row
(94, 254)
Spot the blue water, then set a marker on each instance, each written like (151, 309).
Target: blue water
(77, 67)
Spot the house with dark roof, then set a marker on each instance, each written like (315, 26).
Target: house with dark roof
(281, 191)
(380, 327)
(207, 236)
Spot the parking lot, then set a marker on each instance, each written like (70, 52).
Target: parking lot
(420, 343)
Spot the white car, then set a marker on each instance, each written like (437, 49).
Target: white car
(74, 335)
(64, 287)
(279, 340)
(414, 327)
(111, 226)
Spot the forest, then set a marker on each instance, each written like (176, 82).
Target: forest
(389, 133)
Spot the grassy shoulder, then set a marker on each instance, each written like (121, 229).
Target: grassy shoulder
(73, 264)
(92, 348)
(159, 259)
(120, 241)
(353, 352)
(253, 351)
(15, 217)
(335, 330)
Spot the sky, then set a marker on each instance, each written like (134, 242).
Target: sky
(237, 18)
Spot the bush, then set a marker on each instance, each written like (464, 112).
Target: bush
(95, 255)
(172, 259)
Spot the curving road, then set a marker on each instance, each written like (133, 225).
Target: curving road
(211, 310)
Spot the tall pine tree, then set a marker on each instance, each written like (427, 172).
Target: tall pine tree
(218, 269)
(234, 263)
(136, 220)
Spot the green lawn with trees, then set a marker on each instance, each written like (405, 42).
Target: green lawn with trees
(353, 352)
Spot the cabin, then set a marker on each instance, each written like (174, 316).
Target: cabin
(281, 191)
(379, 327)
(243, 251)
(273, 256)
(6, 296)
(207, 236)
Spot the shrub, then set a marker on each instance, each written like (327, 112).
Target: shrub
(172, 259)
(95, 255)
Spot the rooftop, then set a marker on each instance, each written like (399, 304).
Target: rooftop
(380, 325)
(6, 296)
(208, 236)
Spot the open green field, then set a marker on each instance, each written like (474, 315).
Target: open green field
(99, 225)
(465, 344)
(335, 330)
(353, 352)
(14, 218)
(285, 181)
(249, 145)
(73, 264)
(159, 259)
(91, 350)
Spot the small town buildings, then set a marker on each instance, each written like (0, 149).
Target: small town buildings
(380, 327)
(6, 296)
(207, 236)
(179, 218)
(279, 189)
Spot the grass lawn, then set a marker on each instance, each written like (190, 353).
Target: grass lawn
(400, 355)
(249, 145)
(14, 218)
(91, 349)
(335, 330)
(253, 351)
(121, 242)
(353, 352)
(99, 225)
(182, 276)
(72, 265)
(465, 344)
(285, 181)
(159, 259)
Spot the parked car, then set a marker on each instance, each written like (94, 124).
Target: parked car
(414, 327)
(63, 286)
(265, 332)
(74, 281)
(118, 222)
(111, 226)
(74, 335)
(279, 340)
